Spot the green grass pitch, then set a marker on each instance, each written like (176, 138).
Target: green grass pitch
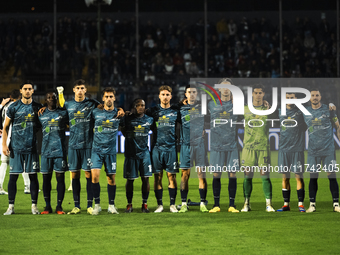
(256, 232)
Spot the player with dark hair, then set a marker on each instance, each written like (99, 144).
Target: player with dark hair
(291, 153)
(321, 150)
(14, 96)
(80, 142)
(23, 116)
(164, 155)
(192, 147)
(224, 152)
(53, 150)
(256, 150)
(104, 150)
(135, 128)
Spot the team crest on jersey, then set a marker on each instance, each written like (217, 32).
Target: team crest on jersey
(139, 128)
(316, 121)
(107, 124)
(29, 117)
(224, 114)
(79, 114)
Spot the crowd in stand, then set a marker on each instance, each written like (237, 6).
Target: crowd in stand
(236, 48)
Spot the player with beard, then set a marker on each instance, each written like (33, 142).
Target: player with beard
(23, 115)
(321, 150)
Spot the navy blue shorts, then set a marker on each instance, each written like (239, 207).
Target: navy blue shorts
(79, 159)
(135, 167)
(59, 165)
(227, 161)
(192, 155)
(24, 163)
(109, 161)
(291, 162)
(164, 160)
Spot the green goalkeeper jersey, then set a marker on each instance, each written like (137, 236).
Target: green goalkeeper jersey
(256, 131)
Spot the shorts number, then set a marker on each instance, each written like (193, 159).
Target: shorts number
(35, 165)
(150, 168)
(235, 162)
(175, 165)
(114, 166)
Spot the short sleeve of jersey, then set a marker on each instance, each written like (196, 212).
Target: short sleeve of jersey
(137, 135)
(24, 119)
(105, 131)
(222, 132)
(292, 131)
(53, 129)
(10, 112)
(320, 131)
(165, 132)
(192, 124)
(256, 135)
(81, 123)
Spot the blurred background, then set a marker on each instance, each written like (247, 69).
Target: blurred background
(137, 45)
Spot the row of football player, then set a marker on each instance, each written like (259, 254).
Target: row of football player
(82, 115)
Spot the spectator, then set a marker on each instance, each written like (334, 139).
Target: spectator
(109, 32)
(149, 42)
(222, 29)
(46, 32)
(85, 37)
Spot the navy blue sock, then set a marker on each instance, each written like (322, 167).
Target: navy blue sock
(313, 187)
(76, 192)
(129, 196)
(47, 188)
(60, 189)
(217, 191)
(12, 188)
(286, 195)
(184, 195)
(159, 196)
(334, 187)
(172, 195)
(203, 194)
(89, 192)
(34, 188)
(96, 192)
(145, 196)
(111, 190)
(301, 195)
(232, 190)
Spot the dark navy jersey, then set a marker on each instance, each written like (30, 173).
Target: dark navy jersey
(192, 127)
(81, 124)
(165, 119)
(320, 130)
(136, 131)
(223, 135)
(53, 129)
(105, 131)
(292, 138)
(24, 118)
